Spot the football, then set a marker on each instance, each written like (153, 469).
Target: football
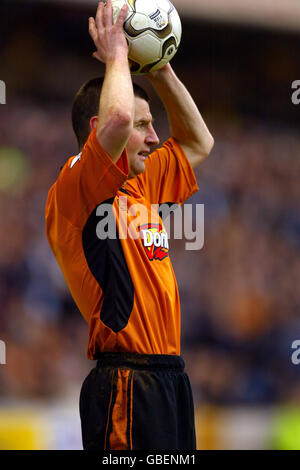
(153, 31)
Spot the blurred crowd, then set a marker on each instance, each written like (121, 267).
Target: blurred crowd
(245, 284)
(239, 294)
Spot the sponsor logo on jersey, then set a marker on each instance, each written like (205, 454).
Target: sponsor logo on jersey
(155, 241)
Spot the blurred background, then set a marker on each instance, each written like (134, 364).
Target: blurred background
(239, 295)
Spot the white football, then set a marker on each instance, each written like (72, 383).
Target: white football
(153, 31)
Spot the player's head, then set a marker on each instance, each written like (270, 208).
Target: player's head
(143, 137)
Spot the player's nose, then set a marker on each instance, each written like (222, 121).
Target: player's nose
(152, 138)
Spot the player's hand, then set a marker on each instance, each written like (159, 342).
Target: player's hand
(160, 73)
(109, 38)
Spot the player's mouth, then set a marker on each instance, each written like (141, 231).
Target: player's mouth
(143, 155)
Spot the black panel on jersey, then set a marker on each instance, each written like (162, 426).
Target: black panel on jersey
(124, 191)
(107, 263)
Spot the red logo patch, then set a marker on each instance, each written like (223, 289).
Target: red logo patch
(155, 241)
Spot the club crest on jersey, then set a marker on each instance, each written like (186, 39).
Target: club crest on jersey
(155, 241)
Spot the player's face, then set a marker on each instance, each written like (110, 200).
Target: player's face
(142, 139)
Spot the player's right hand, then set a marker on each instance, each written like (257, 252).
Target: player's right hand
(109, 38)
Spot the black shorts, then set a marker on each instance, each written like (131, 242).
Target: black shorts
(139, 402)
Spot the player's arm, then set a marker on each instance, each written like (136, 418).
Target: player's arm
(187, 125)
(116, 107)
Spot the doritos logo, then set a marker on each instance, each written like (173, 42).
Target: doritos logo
(155, 241)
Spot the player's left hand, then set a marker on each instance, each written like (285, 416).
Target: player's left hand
(160, 73)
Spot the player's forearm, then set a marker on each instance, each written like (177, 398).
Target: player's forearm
(116, 109)
(186, 122)
(117, 98)
(116, 105)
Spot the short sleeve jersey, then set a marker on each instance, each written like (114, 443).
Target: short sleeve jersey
(112, 247)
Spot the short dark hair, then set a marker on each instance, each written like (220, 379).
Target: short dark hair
(86, 105)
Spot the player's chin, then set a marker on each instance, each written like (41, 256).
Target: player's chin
(140, 164)
(137, 166)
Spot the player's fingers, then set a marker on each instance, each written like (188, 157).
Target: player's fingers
(92, 29)
(97, 56)
(108, 14)
(122, 15)
(99, 16)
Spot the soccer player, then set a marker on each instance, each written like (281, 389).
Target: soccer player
(138, 395)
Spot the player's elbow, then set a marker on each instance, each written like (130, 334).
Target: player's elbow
(209, 145)
(121, 118)
(117, 123)
(205, 148)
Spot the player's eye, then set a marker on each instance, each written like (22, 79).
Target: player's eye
(141, 125)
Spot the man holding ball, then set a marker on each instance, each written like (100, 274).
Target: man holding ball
(138, 395)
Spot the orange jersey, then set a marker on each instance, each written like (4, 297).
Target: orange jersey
(124, 286)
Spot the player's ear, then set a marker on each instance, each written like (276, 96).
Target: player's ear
(93, 122)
